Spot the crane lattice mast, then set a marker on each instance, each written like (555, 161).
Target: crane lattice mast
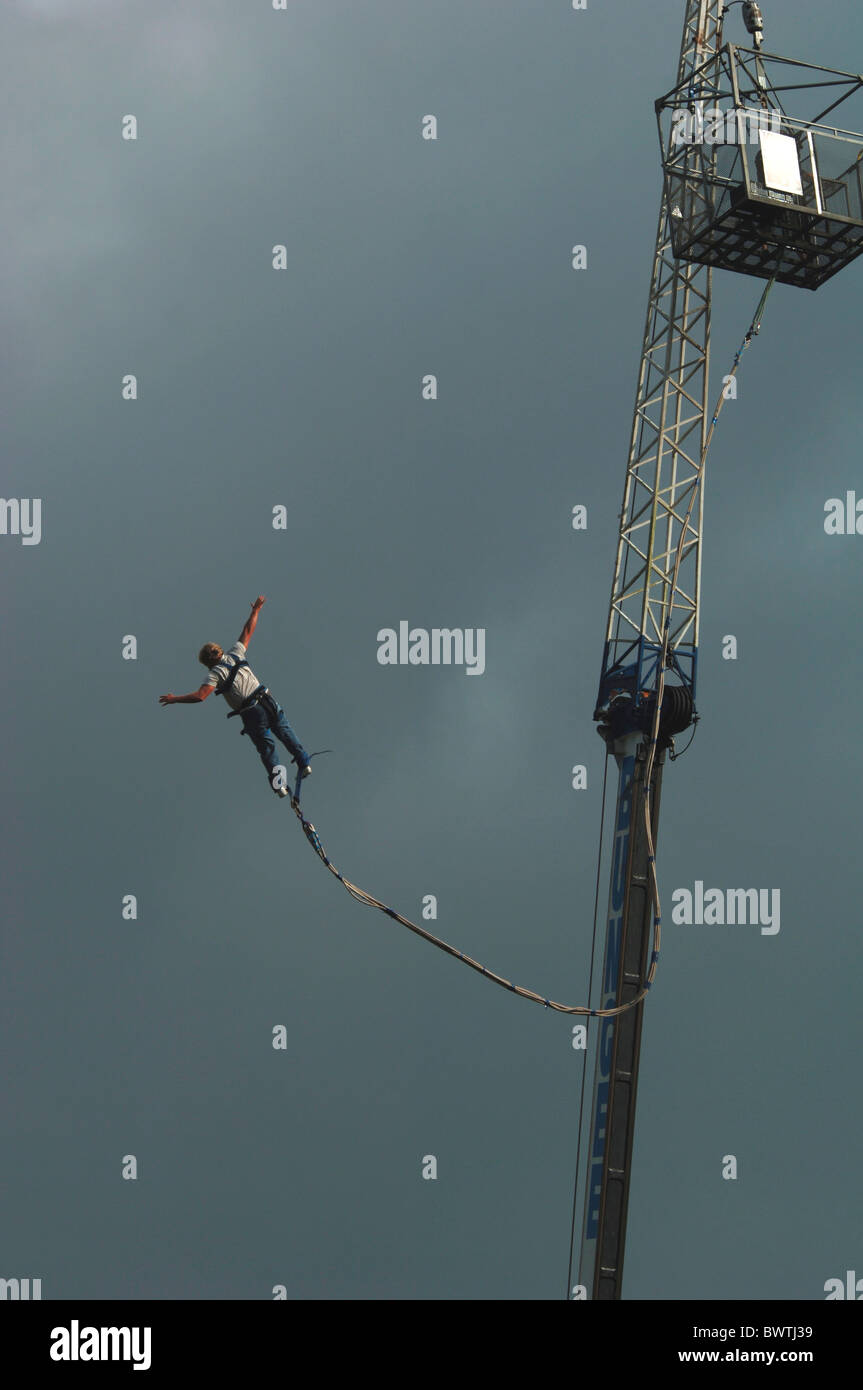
(786, 207)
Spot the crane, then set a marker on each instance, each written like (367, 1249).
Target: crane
(750, 189)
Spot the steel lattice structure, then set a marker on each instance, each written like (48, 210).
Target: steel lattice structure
(789, 209)
(666, 446)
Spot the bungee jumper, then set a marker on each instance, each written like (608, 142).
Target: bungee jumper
(263, 717)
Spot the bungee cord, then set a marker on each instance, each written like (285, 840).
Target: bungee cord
(361, 896)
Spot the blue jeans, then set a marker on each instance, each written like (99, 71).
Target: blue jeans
(261, 722)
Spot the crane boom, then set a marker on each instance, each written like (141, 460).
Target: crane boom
(751, 189)
(666, 445)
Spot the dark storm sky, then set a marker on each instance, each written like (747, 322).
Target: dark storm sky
(303, 1167)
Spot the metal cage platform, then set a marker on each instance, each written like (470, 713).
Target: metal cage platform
(750, 188)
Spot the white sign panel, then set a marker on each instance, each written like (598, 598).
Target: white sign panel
(781, 165)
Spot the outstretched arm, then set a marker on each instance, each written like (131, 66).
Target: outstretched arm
(252, 620)
(194, 699)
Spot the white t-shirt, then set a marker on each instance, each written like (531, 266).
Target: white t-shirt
(245, 681)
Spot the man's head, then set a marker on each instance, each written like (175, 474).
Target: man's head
(210, 654)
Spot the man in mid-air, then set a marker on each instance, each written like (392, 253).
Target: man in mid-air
(231, 676)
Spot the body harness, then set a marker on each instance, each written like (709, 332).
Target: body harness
(227, 681)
